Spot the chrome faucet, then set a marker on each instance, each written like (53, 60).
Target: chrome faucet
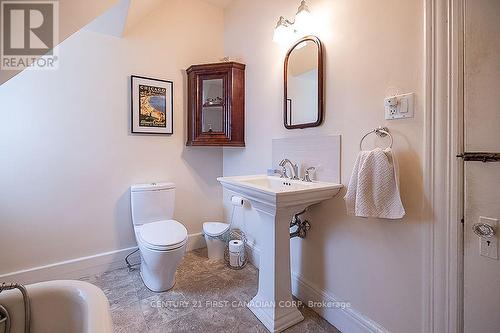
(293, 167)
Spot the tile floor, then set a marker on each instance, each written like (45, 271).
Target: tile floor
(197, 302)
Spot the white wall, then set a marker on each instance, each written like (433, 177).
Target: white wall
(67, 155)
(372, 49)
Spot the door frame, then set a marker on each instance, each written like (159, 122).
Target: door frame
(443, 172)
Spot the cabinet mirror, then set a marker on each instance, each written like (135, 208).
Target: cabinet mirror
(213, 106)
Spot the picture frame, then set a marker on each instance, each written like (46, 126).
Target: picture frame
(152, 105)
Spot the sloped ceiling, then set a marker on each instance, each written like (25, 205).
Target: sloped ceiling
(220, 3)
(138, 10)
(112, 22)
(113, 17)
(73, 15)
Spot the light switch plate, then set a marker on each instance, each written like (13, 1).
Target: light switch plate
(399, 106)
(488, 247)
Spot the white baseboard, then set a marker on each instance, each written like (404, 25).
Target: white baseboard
(71, 269)
(195, 241)
(90, 265)
(347, 319)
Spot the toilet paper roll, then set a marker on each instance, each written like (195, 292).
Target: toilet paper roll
(237, 201)
(234, 259)
(242, 258)
(236, 246)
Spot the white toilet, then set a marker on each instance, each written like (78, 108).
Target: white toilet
(162, 241)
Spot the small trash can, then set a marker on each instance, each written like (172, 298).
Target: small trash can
(214, 236)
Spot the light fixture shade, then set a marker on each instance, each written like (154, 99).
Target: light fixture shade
(282, 31)
(280, 34)
(303, 19)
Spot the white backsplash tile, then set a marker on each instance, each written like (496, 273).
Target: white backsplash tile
(319, 151)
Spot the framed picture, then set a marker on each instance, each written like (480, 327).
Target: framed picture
(152, 105)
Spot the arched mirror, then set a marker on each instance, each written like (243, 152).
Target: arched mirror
(303, 100)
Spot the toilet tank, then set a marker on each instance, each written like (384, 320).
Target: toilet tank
(152, 202)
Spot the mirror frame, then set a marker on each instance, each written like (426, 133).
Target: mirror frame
(320, 83)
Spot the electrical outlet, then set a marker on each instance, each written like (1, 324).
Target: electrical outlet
(399, 106)
(488, 247)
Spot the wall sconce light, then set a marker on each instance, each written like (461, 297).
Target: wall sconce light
(285, 29)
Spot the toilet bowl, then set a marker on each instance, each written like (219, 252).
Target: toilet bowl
(162, 245)
(161, 240)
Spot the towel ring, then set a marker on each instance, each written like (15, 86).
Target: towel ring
(381, 132)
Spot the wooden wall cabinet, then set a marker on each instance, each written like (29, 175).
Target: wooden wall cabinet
(216, 105)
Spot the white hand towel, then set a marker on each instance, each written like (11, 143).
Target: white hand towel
(373, 190)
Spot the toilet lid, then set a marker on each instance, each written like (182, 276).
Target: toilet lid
(166, 234)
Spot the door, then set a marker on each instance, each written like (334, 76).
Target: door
(482, 180)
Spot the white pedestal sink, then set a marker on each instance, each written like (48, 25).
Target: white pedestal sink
(276, 200)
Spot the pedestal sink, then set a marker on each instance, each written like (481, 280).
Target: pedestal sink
(276, 200)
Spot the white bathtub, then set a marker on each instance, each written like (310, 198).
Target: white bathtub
(60, 306)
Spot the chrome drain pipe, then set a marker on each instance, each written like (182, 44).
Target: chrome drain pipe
(27, 308)
(301, 227)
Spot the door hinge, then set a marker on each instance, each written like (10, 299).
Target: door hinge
(481, 157)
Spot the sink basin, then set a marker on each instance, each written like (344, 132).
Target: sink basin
(276, 200)
(277, 184)
(273, 190)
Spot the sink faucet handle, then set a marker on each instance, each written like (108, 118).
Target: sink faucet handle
(274, 172)
(309, 171)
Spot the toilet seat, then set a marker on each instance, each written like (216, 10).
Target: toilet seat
(163, 235)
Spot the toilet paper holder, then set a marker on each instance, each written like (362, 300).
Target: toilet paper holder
(235, 256)
(229, 256)
(237, 201)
